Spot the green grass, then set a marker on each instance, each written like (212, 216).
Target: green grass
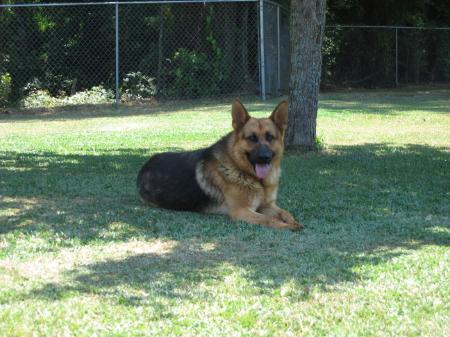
(81, 255)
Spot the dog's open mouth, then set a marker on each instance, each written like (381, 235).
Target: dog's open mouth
(262, 170)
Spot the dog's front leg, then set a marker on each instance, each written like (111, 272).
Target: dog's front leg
(239, 208)
(250, 216)
(275, 211)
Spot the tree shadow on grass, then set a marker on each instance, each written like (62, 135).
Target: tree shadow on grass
(387, 102)
(361, 205)
(126, 110)
(373, 102)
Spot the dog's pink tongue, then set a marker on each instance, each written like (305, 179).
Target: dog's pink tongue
(262, 170)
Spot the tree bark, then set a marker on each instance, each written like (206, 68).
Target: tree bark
(307, 24)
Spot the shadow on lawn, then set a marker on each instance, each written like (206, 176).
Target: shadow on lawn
(361, 204)
(126, 110)
(387, 102)
(373, 102)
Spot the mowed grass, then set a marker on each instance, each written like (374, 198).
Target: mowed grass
(81, 255)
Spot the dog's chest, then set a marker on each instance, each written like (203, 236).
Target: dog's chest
(256, 201)
(238, 178)
(252, 193)
(253, 202)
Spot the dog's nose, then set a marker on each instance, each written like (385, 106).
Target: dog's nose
(265, 158)
(264, 155)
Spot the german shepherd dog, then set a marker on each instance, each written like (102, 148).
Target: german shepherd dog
(238, 175)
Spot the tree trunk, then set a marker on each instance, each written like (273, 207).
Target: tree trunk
(306, 28)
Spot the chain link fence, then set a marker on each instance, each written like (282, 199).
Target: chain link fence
(189, 50)
(57, 55)
(61, 54)
(385, 56)
(125, 52)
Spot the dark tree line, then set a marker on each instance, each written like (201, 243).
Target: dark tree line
(366, 57)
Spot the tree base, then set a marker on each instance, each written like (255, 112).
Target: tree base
(302, 149)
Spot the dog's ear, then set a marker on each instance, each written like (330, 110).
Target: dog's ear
(239, 114)
(280, 115)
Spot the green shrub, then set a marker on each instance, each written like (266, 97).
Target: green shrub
(43, 99)
(5, 88)
(95, 95)
(33, 86)
(319, 143)
(137, 86)
(39, 99)
(56, 85)
(193, 74)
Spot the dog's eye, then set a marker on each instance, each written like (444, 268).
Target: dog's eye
(269, 137)
(252, 138)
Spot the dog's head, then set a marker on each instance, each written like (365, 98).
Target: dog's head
(258, 142)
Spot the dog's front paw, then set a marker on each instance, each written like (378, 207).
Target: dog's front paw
(296, 226)
(293, 226)
(287, 217)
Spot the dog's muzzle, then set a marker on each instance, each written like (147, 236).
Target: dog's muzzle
(260, 158)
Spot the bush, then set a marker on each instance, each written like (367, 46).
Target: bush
(5, 89)
(193, 75)
(96, 95)
(43, 99)
(38, 99)
(31, 87)
(56, 85)
(137, 86)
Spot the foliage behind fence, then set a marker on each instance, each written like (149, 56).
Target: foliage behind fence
(66, 54)
(368, 56)
(166, 51)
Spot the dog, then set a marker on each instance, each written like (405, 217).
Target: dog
(237, 176)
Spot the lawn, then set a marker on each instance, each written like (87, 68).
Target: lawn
(81, 255)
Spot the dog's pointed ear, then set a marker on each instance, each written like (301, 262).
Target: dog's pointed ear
(239, 114)
(280, 115)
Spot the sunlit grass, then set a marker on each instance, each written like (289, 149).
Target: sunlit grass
(81, 255)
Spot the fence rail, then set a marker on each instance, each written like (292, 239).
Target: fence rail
(388, 27)
(157, 2)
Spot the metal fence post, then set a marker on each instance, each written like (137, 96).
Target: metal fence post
(278, 49)
(396, 56)
(117, 54)
(262, 51)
